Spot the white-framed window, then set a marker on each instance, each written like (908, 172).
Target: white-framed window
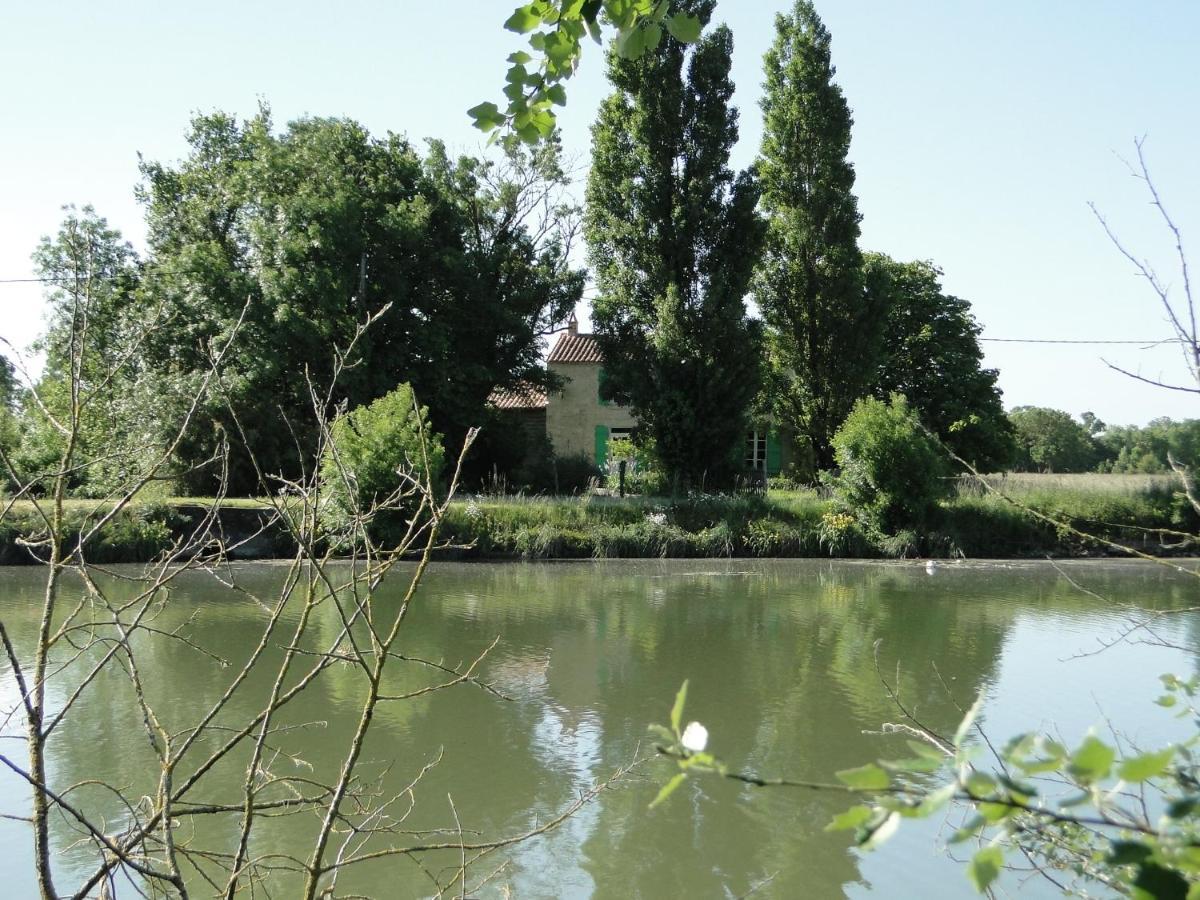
(617, 434)
(620, 434)
(756, 450)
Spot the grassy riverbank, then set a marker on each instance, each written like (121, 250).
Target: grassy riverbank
(805, 524)
(1144, 511)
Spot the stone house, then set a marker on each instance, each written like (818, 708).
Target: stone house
(578, 421)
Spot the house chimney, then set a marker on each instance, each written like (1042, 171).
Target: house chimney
(572, 325)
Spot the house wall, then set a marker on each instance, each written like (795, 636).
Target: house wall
(574, 413)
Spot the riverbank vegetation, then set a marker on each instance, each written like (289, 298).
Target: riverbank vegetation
(1149, 513)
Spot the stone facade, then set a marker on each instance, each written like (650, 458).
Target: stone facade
(576, 421)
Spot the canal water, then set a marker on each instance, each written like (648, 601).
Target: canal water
(781, 661)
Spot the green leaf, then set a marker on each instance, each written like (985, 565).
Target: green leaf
(969, 830)
(979, 784)
(1186, 859)
(1183, 807)
(1126, 853)
(936, 800)
(662, 732)
(487, 116)
(1019, 790)
(557, 94)
(631, 44)
(1038, 766)
(684, 28)
(968, 720)
(926, 751)
(850, 819)
(1092, 761)
(984, 867)
(677, 709)
(916, 764)
(523, 20)
(1160, 883)
(669, 788)
(652, 37)
(865, 778)
(520, 58)
(1148, 765)
(1167, 700)
(995, 812)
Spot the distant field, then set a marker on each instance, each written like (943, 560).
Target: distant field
(1026, 483)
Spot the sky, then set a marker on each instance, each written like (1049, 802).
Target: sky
(982, 131)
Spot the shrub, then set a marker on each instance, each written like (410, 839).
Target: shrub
(374, 447)
(891, 472)
(644, 474)
(574, 473)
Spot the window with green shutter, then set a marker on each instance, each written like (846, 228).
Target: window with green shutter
(601, 381)
(774, 453)
(601, 446)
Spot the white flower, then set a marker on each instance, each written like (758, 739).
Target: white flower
(656, 518)
(695, 737)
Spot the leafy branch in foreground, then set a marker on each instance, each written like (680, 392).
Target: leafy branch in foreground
(1127, 821)
(557, 30)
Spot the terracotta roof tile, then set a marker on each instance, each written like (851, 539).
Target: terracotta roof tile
(523, 397)
(576, 348)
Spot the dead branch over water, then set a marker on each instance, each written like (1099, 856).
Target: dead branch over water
(94, 625)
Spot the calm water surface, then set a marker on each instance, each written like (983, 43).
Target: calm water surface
(780, 658)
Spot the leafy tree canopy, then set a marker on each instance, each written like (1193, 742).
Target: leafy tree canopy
(93, 345)
(1049, 440)
(294, 240)
(673, 234)
(825, 329)
(1133, 449)
(930, 353)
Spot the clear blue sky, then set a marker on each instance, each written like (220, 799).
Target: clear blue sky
(981, 131)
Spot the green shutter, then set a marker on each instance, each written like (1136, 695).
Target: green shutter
(774, 453)
(601, 446)
(601, 380)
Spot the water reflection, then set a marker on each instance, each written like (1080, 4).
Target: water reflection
(782, 663)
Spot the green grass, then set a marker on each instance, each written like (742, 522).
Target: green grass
(1134, 509)
(598, 526)
(1093, 500)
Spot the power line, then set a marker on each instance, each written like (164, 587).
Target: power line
(1078, 341)
(1151, 343)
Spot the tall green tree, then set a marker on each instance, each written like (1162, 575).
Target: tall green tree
(294, 239)
(673, 234)
(930, 353)
(9, 402)
(93, 343)
(1050, 440)
(824, 328)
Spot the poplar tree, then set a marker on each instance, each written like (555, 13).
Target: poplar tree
(673, 234)
(824, 328)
